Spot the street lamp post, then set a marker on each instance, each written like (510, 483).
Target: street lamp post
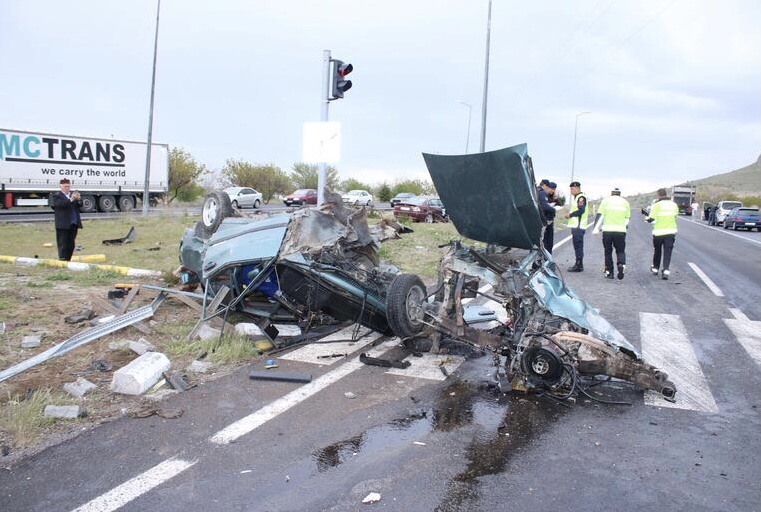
(467, 135)
(575, 131)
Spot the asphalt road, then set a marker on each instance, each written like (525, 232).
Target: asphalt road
(426, 442)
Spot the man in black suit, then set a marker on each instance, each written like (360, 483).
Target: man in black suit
(68, 221)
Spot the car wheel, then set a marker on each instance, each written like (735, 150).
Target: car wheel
(216, 207)
(404, 305)
(428, 219)
(235, 204)
(257, 204)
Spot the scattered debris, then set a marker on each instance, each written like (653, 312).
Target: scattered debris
(388, 363)
(280, 376)
(101, 365)
(350, 395)
(177, 381)
(327, 356)
(64, 411)
(141, 346)
(32, 341)
(147, 410)
(79, 387)
(130, 237)
(373, 497)
(419, 443)
(271, 364)
(199, 366)
(138, 376)
(83, 316)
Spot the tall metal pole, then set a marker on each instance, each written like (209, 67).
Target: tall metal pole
(146, 187)
(467, 135)
(322, 176)
(486, 81)
(575, 130)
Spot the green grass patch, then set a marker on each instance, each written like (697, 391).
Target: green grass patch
(22, 417)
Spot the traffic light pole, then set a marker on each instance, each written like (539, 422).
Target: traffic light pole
(322, 177)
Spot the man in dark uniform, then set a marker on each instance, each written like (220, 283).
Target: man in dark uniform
(68, 221)
(546, 194)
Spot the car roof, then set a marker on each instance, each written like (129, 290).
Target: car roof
(234, 189)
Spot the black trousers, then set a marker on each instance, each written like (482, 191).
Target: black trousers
(611, 240)
(663, 244)
(549, 237)
(577, 235)
(65, 239)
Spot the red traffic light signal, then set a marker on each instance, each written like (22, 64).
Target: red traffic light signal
(340, 84)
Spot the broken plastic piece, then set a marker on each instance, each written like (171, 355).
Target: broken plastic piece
(131, 236)
(280, 376)
(388, 363)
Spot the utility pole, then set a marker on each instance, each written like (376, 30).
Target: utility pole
(322, 176)
(486, 81)
(146, 185)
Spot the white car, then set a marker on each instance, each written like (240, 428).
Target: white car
(244, 197)
(358, 197)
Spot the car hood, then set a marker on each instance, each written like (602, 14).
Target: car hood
(490, 197)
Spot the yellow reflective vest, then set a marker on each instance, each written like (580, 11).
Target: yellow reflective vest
(664, 214)
(575, 222)
(615, 211)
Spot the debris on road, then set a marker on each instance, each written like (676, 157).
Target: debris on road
(79, 387)
(280, 376)
(68, 412)
(373, 497)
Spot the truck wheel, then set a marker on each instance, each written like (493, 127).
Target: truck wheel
(106, 203)
(216, 207)
(126, 203)
(88, 204)
(404, 305)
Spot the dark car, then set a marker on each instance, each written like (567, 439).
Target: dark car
(300, 197)
(421, 209)
(743, 218)
(401, 196)
(317, 264)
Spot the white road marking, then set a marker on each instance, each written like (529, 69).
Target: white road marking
(707, 280)
(134, 487)
(429, 366)
(311, 353)
(747, 332)
(255, 420)
(666, 346)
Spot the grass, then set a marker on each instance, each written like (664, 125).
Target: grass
(22, 417)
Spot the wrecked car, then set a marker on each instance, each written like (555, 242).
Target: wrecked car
(323, 261)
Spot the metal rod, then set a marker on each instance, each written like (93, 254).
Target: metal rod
(322, 176)
(486, 81)
(575, 130)
(146, 193)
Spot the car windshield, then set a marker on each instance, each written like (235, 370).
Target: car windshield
(301, 192)
(354, 192)
(730, 205)
(417, 200)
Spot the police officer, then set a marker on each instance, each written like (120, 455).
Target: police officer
(613, 218)
(577, 221)
(546, 192)
(663, 216)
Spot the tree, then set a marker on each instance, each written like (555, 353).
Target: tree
(418, 187)
(354, 184)
(268, 179)
(183, 173)
(384, 193)
(307, 176)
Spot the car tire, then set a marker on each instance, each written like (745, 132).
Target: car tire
(235, 205)
(257, 204)
(404, 305)
(428, 219)
(216, 208)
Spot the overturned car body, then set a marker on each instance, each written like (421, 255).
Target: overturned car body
(322, 262)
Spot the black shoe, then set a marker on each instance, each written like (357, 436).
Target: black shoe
(578, 267)
(621, 268)
(608, 274)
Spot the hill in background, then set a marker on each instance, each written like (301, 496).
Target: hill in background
(743, 184)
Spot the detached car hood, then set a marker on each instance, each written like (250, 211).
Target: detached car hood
(490, 197)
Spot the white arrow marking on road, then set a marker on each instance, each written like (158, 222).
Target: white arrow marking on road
(665, 346)
(747, 332)
(134, 487)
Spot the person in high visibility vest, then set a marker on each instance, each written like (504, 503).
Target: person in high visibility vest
(663, 216)
(577, 221)
(613, 218)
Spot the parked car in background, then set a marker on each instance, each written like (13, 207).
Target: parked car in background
(742, 218)
(244, 197)
(723, 208)
(421, 209)
(300, 197)
(401, 196)
(358, 197)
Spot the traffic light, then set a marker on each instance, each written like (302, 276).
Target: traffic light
(340, 84)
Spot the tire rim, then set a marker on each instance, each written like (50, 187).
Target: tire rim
(210, 211)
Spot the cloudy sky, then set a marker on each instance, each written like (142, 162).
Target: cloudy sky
(672, 87)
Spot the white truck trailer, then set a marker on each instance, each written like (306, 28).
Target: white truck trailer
(109, 174)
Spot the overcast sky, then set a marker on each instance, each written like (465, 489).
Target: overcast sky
(673, 87)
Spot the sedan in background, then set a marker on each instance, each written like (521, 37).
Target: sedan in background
(300, 197)
(400, 197)
(743, 218)
(358, 197)
(421, 209)
(244, 197)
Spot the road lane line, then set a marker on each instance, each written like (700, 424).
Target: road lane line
(135, 487)
(707, 280)
(665, 346)
(747, 332)
(258, 418)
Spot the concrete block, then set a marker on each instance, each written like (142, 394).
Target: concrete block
(248, 329)
(64, 411)
(141, 346)
(141, 374)
(119, 345)
(206, 332)
(79, 387)
(199, 366)
(32, 341)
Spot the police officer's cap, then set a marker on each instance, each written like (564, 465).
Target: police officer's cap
(575, 184)
(616, 191)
